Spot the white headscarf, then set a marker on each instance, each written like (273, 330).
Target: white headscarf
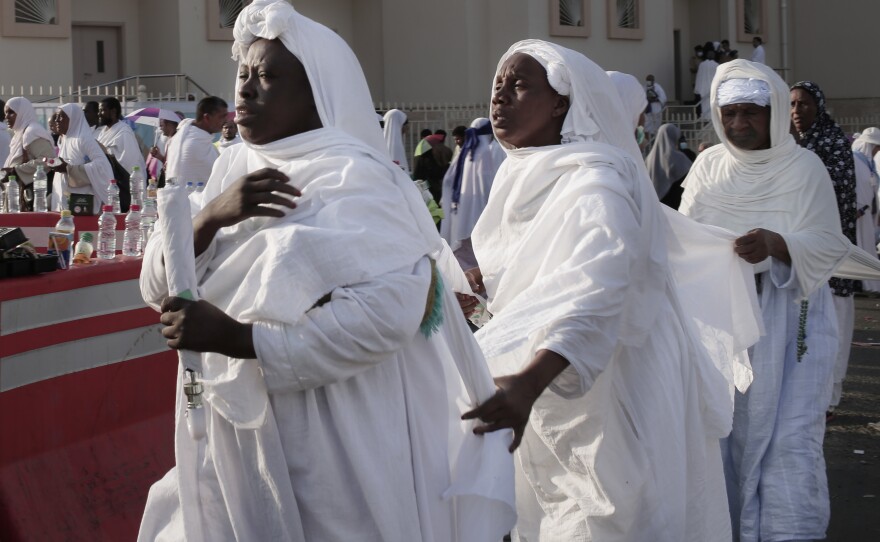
(867, 141)
(394, 121)
(632, 94)
(25, 130)
(78, 147)
(785, 188)
(666, 163)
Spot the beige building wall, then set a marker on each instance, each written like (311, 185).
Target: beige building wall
(34, 62)
(120, 13)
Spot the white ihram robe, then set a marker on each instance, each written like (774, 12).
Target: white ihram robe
(119, 140)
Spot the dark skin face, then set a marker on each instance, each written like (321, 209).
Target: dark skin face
(63, 122)
(526, 111)
(167, 127)
(10, 117)
(274, 95)
(803, 109)
(229, 131)
(747, 126)
(91, 114)
(106, 117)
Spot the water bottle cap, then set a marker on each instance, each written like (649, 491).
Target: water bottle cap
(136, 168)
(200, 183)
(107, 208)
(188, 183)
(134, 207)
(112, 181)
(87, 237)
(65, 213)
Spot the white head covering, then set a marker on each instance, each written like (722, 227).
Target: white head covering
(867, 141)
(666, 163)
(632, 94)
(785, 188)
(743, 90)
(25, 130)
(394, 121)
(78, 147)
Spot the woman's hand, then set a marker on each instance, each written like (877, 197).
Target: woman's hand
(512, 403)
(201, 327)
(510, 407)
(157, 154)
(475, 279)
(60, 166)
(468, 303)
(247, 197)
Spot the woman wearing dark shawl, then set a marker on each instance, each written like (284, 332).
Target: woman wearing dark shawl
(667, 165)
(818, 132)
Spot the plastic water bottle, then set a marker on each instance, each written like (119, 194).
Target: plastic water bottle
(41, 185)
(200, 186)
(137, 186)
(13, 204)
(131, 239)
(148, 217)
(107, 233)
(113, 197)
(3, 198)
(190, 188)
(66, 224)
(152, 189)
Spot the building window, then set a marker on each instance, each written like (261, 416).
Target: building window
(570, 18)
(36, 18)
(625, 19)
(751, 20)
(221, 17)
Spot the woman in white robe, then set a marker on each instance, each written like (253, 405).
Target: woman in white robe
(31, 145)
(466, 188)
(84, 168)
(394, 122)
(617, 412)
(332, 399)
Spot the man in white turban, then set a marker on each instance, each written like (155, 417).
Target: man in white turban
(335, 362)
(778, 197)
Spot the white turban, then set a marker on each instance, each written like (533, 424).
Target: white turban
(743, 91)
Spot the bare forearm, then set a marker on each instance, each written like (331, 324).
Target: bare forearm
(779, 249)
(204, 230)
(544, 367)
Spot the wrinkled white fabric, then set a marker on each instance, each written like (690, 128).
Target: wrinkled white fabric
(476, 185)
(666, 163)
(867, 194)
(394, 121)
(190, 154)
(743, 91)
(25, 130)
(287, 433)
(632, 95)
(223, 143)
(758, 55)
(119, 140)
(573, 250)
(78, 147)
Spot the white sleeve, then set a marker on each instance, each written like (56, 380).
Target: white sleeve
(361, 326)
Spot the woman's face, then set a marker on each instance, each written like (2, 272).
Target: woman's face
(62, 121)
(526, 111)
(10, 117)
(274, 95)
(803, 109)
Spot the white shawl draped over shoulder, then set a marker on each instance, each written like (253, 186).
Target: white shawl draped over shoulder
(785, 189)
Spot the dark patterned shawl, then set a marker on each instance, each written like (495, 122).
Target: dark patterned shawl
(827, 140)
